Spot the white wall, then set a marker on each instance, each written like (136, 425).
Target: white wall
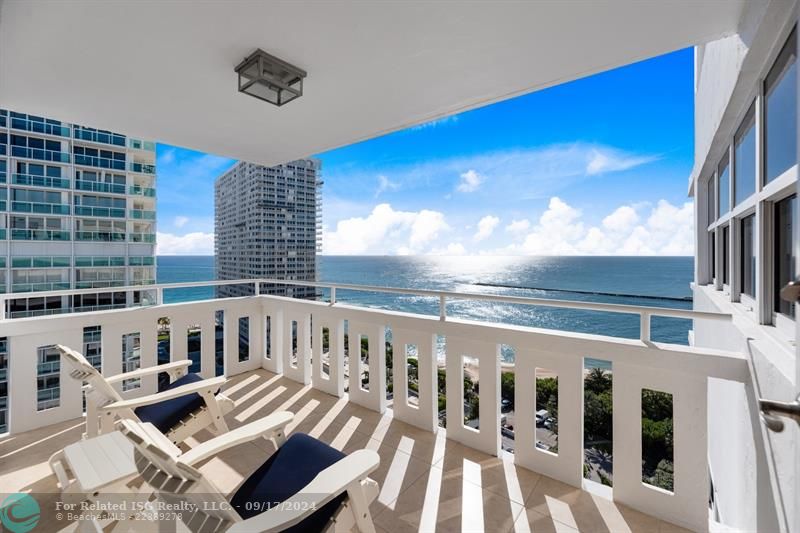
(755, 491)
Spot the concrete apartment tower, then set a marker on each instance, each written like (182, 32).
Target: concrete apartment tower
(77, 211)
(267, 225)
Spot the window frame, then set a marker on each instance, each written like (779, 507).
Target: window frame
(725, 258)
(761, 203)
(741, 133)
(724, 164)
(764, 89)
(745, 298)
(784, 323)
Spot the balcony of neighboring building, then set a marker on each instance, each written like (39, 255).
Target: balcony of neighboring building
(29, 274)
(143, 233)
(35, 201)
(112, 182)
(91, 205)
(143, 208)
(94, 230)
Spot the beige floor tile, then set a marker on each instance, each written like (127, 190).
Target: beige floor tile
(360, 418)
(498, 475)
(427, 446)
(585, 511)
(441, 502)
(426, 481)
(623, 519)
(666, 527)
(398, 470)
(533, 522)
(33, 447)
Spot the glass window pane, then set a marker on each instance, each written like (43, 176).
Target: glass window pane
(711, 198)
(780, 112)
(744, 154)
(785, 222)
(713, 254)
(725, 258)
(748, 266)
(724, 185)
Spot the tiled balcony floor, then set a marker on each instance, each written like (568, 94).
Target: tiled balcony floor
(427, 482)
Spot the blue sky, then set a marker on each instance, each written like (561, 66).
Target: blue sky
(596, 166)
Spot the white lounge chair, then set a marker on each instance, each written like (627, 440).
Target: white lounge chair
(305, 485)
(189, 404)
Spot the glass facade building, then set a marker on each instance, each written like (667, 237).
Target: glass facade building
(77, 211)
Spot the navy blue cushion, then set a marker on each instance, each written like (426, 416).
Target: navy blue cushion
(165, 415)
(282, 476)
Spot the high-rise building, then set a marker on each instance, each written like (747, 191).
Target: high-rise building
(77, 211)
(267, 225)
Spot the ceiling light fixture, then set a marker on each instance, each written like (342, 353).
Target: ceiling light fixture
(270, 79)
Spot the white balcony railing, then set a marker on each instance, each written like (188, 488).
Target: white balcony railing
(286, 335)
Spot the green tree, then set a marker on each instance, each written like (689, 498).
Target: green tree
(441, 381)
(656, 405)
(657, 438)
(547, 395)
(597, 415)
(413, 370)
(474, 408)
(507, 387)
(597, 381)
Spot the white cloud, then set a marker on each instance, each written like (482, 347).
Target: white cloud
(385, 231)
(486, 227)
(454, 248)
(165, 156)
(622, 219)
(470, 181)
(518, 226)
(665, 230)
(196, 243)
(385, 184)
(180, 221)
(558, 227)
(610, 160)
(532, 173)
(452, 119)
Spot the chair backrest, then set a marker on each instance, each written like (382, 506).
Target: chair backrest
(101, 392)
(204, 507)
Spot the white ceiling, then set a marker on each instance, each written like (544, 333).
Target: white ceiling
(164, 69)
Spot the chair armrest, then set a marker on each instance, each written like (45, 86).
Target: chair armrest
(206, 386)
(264, 427)
(141, 372)
(328, 484)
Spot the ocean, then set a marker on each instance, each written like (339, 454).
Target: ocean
(651, 281)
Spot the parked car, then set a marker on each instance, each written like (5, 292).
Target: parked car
(541, 416)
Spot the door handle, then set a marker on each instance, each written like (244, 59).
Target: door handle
(772, 413)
